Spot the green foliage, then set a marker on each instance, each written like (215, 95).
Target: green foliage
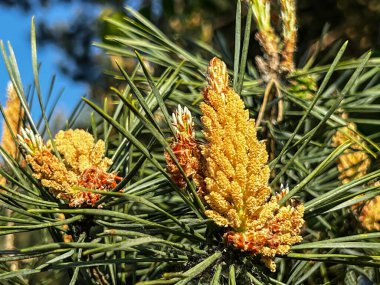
(148, 230)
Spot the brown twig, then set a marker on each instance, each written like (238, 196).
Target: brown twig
(265, 102)
(280, 111)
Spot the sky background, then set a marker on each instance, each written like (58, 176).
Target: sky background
(15, 27)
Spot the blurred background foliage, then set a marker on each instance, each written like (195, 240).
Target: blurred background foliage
(210, 21)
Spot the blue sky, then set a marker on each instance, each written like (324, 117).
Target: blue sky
(15, 27)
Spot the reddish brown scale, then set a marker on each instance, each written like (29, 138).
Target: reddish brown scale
(244, 241)
(186, 152)
(96, 178)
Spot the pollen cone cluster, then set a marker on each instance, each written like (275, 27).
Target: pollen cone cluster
(370, 214)
(184, 148)
(233, 165)
(354, 162)
(14, 113)
(81, 165)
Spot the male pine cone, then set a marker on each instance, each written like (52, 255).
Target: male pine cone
(236, 174)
